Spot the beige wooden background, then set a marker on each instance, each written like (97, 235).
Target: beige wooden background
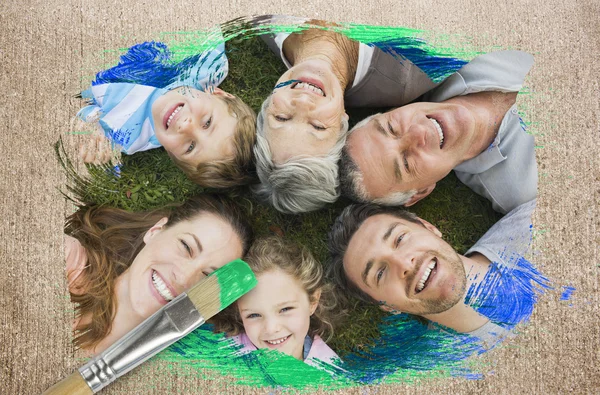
(50, 48)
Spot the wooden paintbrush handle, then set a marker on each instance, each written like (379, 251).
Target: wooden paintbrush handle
(72, 385)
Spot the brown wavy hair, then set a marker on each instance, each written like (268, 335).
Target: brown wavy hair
(236, 171)
(272, 253)
(112, 239)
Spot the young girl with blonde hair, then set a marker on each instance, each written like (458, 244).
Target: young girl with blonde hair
(290, 310)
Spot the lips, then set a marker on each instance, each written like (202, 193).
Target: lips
(311, 85)
(162, 288)
(278, 342)
(439, 129)
(428, 273)
(171, 115)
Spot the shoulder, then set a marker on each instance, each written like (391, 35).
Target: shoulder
(501, 71)
(245, 343)
(321, 351)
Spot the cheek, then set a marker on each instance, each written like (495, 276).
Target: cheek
(301, 324)
(253, 330)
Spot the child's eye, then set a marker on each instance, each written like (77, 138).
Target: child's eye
(398, 240)
(380, 274)
(285, 309)
(190, 148)
(253, 315)
(207, 124)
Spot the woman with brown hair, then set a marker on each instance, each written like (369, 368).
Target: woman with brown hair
(122, 266)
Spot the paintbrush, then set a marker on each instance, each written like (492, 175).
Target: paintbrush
(172, 322)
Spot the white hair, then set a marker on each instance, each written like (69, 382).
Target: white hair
(302, 183)
(352, 179)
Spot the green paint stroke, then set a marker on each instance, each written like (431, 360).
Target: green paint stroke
(235, 279)
(219, 355)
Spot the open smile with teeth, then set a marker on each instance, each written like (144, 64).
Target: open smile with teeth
(277, 341)
(161, 287)
(439, 130)
(308, 86)
(175, 111)
(424, 279)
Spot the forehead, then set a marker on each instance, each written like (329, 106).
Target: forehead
(295, 138)
(274, 287)
(212, 230)
(368, 240)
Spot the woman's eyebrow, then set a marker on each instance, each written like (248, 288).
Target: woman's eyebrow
(198, 244)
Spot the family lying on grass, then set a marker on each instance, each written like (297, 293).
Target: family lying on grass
(297, 155)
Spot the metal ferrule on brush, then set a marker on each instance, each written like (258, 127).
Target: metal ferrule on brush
(172, 322)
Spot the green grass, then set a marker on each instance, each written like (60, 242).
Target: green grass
(149, 179)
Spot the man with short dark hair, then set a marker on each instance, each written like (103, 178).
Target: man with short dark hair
(396, 259)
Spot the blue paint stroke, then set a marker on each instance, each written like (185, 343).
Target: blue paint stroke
(436, 67)
(150, 63)
(285, 83)
(508, 292)
(567, 292)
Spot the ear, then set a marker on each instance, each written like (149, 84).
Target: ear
(153, 231)
(431, 227)
(315, 302)
(419, 195)
(221, 92)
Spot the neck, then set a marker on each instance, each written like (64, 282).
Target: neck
(335, 48)
(461, 317)
(124, 320)
(489, 109)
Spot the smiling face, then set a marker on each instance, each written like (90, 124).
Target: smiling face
(305, 117)
(194, 126)
(413, 147)
(174, 259)
(276, 313)
(405, 265)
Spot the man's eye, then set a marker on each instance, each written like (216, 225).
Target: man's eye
(380, 274)
(207, 124)
(190, 148)
(281, 119)
(406, 164)
(398, 240)
(317, 127)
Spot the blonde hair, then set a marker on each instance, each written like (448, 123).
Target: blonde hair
(236, 171)
(273, 253)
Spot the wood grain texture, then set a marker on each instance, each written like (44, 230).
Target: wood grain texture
(50, 49)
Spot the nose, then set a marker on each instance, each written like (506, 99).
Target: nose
(272, 325)
(185, 125)
(415, 137)
(186, 274)
(402, 263)
(303, 101)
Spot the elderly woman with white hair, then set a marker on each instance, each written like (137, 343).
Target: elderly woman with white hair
(302, 126)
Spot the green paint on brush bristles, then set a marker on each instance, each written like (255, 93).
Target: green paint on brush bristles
(235, 279)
